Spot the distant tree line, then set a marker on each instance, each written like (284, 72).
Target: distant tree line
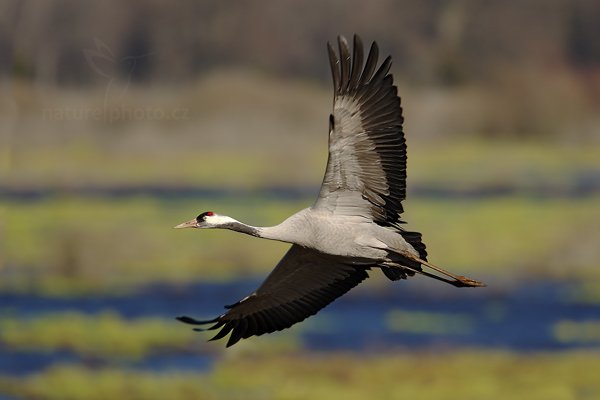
(71, 42)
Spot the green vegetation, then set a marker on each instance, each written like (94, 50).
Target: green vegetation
(108, 336)
(587, 292)
(68, 243)
(459, 165)
(78, 244)
(420, 376)
(429, 322)
(102, 336)
(576, 332)
(512, 237)
(476, 164)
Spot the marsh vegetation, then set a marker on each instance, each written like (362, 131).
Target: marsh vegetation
(226, 110)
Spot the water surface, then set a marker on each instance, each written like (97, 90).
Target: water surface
(414, 314)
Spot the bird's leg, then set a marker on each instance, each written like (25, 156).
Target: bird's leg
(452, 282)
(458, 280)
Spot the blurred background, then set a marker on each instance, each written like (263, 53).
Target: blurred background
(119, 120)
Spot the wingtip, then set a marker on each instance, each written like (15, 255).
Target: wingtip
(193, 321)
(232, 340)
(357, 41)
(344, 49)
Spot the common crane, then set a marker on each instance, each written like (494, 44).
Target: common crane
(353, 226)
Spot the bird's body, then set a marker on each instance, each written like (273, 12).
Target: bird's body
(345, 236)
(354, 225)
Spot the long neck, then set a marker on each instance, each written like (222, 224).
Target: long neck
(283, 232)
(243, 228)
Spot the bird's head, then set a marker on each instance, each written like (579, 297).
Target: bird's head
(207, 219)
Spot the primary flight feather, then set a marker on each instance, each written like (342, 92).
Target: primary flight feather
(354, 225)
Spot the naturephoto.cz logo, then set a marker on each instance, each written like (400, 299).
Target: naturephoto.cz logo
(115, 113)
(118, 73)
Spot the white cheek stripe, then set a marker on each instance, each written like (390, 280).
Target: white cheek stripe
(219, 219)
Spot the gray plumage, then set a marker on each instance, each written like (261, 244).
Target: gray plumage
(354, 225)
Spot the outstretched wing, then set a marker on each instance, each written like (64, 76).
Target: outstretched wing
(301, 284)
(366, 169)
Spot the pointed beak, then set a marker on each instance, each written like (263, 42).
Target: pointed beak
(189, 224)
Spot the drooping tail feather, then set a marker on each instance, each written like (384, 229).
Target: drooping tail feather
(414, 239)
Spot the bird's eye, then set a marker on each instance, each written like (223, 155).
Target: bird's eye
(203, 216)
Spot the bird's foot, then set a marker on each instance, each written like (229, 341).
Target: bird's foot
(463, 281)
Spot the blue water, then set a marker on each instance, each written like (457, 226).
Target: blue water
(502, 316)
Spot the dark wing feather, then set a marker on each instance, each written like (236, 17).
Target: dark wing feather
(301, 284)
(366, 169)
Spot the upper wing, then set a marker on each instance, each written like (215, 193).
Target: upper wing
(301, 284)
(366, 169)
